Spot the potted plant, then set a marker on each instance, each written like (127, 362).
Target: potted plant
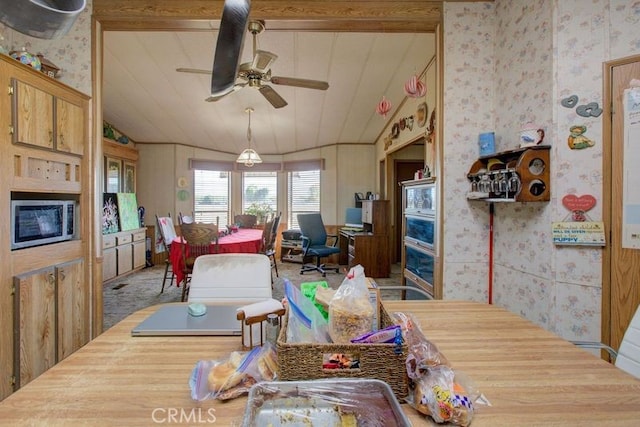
(261, 210)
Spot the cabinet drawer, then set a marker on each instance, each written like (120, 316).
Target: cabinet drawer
(125, 238)
(108, 241)
(420, 262)
(139, 235)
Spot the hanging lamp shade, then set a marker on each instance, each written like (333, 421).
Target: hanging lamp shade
(249, 157)
(383, 107)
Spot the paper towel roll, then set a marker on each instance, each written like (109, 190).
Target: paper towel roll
(260, 308)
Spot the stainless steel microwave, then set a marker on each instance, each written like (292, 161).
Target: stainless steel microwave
(41, 222)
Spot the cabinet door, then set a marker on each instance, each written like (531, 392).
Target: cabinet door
(109, 264)
(32, 115)
(367, 211)
(139, 254)
(69, 127)
(125, 258)
(73, 308)
(34, 324)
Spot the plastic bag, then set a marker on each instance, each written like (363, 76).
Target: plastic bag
(350, 311)
(305, 322)
(444, 395)
(422, 352)
(232, 377)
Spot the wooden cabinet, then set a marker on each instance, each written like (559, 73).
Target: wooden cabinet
(51, 318)
(45, 291)
(420, 242)
(46, 121)
(123, 253)
(370, 247)
(520, 175)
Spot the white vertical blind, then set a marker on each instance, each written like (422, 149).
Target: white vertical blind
(260, 192)
(304, 194)
(211, 196)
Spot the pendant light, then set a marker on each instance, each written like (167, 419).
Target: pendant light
(249, 157)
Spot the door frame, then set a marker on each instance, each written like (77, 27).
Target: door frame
(607, 182)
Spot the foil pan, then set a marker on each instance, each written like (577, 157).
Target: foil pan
(324, 403)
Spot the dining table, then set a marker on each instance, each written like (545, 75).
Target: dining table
(528, 376)
(244, 240)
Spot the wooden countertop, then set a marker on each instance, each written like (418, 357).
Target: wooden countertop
(530, 376)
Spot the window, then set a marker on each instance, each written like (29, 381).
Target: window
(260, 194)
(211, 196)
(304, 194)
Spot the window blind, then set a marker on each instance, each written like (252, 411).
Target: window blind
(260, 192)
(304, 194)
(211, 196)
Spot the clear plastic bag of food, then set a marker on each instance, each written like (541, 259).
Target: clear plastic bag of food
(232, 377)
(422, 352)
(305, 322)
(445, 396)
(350, 311)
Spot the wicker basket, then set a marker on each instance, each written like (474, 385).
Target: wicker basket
(303, 361)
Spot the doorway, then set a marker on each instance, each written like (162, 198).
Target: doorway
(621, 265)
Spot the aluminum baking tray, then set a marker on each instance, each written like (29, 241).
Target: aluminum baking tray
(324, 403)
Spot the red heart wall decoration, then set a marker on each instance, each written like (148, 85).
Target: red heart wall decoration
(582, 203)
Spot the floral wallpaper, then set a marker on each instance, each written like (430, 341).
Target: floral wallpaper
(538, 52)
(71, 52)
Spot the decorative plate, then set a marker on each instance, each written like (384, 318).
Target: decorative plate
(182, 182)
(395, 130)
(183, 195)
(421, 114)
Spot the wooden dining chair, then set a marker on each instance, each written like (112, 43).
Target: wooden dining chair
(269, 248)
(167, 234)
(245, 220)
(198, 239)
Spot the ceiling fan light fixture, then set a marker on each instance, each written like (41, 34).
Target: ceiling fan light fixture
(249, 156)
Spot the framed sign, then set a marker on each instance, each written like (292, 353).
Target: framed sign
(586, 233)
(112, 175)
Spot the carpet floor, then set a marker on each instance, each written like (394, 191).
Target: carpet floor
(136, 291)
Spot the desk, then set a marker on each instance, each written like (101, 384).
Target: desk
(367, 249)
(530, 376)
(245, 240)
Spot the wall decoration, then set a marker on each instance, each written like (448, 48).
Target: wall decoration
(421, 114)
(128, 207)
(383, 107)
(182, 195)
(395, 130)
(431, 129)
(182, 182)
(414, 88)
(110, 222)
(578, 233)
(112, 175)
(129, 178)
(570, 101)
(591, 109)
(577, 140)
(578, 206)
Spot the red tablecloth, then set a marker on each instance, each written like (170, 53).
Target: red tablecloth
(245, 240)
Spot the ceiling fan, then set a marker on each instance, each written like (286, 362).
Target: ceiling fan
(229, 76)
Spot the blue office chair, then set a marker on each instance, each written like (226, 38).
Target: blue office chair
(314, 243)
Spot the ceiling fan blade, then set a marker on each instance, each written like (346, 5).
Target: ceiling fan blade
(262, 61)
(305, 83)
(214, 98)
(272, 96)
(233, 27)
(193, 70)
